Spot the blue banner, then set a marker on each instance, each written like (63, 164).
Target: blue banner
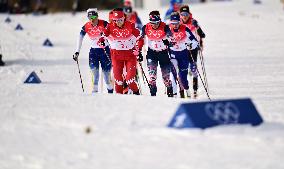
(214, 113)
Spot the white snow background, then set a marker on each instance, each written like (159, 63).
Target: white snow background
(43, 126)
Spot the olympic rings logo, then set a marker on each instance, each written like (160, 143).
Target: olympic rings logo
(223, 113)
(121, 33)
(94, 31)
(179, 36)
(155, 33)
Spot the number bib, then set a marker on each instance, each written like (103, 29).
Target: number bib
(155, 37)
(94, 32)
(180, 37)
(180, 45)
(126, 44)
(156, 45)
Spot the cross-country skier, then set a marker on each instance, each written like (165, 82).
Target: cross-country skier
(97, 55)
(174, 7)
(179, 53)
(192, 24)
(122, 36)
(156, 31)
(131, 15)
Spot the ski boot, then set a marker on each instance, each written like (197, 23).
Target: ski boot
(181, 92)
(153, 90)
(110, 91)
(195, 87)
(95, 89)
(125, 87)
(195, 94)
(136, 93)
(188, 94)
(170, 91)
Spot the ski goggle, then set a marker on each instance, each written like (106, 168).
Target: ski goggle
(155, 22)
(118, 20)
(184, 14)
(93, 17)
(174, 22)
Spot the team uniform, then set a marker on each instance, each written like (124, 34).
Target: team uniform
(179, 56)
(122, 41)
(131, 16)
(97, 56)
(157, 54)
(192, 24)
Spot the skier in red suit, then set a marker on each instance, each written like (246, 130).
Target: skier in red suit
(122, 36)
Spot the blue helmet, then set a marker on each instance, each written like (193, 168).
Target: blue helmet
(175, 17)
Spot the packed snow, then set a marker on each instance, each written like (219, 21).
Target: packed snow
(54, 125)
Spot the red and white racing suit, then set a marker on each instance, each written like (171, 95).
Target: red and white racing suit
(122, 41)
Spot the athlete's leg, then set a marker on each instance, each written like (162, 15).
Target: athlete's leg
(94, 66)
(131, 74)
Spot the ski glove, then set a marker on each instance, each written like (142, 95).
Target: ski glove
(192, 45)
(168, 43)
(201, 44)
(138, 55)
(195, 23)
(101, 42)
(75, 56)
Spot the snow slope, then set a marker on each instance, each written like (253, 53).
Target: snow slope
(44, 126)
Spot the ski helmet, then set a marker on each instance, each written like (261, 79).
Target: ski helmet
(127, 9)
(154, 16)
(175, 18)
(92, 13)
(117, 13)
(184, 8)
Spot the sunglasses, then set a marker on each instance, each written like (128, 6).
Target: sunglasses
(155, 22)
(184, 14)
(175, 23)
(118, 20)
(93, 17)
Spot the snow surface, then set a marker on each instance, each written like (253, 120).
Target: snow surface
(44, 126)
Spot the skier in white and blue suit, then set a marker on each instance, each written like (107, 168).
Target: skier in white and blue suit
(97, 54)
(180, 54)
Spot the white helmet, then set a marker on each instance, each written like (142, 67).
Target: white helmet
(92, 12)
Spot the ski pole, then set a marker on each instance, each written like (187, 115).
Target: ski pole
(80, 75)
(144, 75)
(138, 81)
(139, 72)
(200, 77)
(203, 69)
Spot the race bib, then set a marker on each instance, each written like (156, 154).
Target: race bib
(123, 44)
(156, 45)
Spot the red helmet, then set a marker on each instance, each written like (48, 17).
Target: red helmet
(117, 14)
